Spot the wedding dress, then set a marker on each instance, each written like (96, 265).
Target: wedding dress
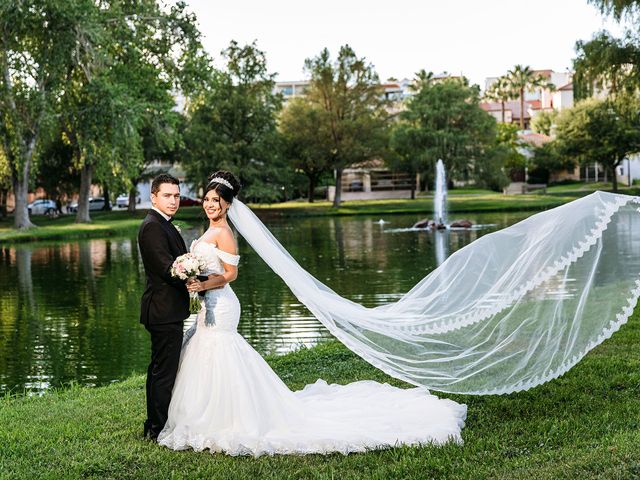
(510, 311)
(227, 399)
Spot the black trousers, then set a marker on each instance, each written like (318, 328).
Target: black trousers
(166, 342)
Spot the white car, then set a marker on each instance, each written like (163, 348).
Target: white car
(42, 207)
(94, 204)
(123, 200)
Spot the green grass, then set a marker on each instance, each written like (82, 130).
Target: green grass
(491, 202)
(103, 224)
(585, 425)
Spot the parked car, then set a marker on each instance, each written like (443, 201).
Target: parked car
(42, 207)
(123, 200)
(189, 201)
(94, 204)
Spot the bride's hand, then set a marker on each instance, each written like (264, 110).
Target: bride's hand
(195, 285)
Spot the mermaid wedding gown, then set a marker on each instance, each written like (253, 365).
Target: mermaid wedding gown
(227, 399)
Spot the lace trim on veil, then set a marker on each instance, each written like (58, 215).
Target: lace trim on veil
(474, 317)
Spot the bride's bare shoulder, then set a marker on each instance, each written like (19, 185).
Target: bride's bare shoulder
(226, 241)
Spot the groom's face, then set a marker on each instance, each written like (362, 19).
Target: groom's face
(167, 200)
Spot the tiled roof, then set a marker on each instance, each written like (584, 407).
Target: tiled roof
(535, 139)
(513, 106)
(545, 73)
(568, 86)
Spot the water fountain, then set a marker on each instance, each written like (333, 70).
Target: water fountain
(439, 221)
(440, 198)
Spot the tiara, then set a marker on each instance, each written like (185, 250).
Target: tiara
(222, 181)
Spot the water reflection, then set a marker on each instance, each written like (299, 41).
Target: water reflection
(442, 246)
(69, 311)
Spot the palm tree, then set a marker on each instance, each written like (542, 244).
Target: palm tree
(500, 91)
(522, 79)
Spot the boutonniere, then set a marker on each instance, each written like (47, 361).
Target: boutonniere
(178, 228)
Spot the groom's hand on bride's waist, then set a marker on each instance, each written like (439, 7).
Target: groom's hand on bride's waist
(203, 278)
(214, 275)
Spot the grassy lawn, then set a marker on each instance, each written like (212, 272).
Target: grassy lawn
(584, 425)
(103, 224)
(488, 202)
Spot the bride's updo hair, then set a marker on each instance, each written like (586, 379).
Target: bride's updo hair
(224, 184)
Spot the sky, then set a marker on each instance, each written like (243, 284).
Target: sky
(476, 38)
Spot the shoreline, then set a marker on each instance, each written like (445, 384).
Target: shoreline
(109, 224)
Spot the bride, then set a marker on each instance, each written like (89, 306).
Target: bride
(226, 398)
(510, 311)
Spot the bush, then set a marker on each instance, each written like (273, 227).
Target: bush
(489, 171)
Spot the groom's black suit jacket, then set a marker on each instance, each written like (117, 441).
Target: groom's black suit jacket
(165, 298)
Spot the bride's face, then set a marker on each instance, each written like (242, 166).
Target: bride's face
(214, 206)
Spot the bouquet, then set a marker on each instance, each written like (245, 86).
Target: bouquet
(189, 266)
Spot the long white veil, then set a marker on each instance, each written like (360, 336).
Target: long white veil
(510, 311)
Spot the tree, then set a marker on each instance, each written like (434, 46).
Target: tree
(407, 154)
(443, 120)
(55, 173)
(603, 131)
(306, 140)
(522, 79)
(126, 94)
(607, 63)
(351, 106)
(157, 61)
(5, 183)
(232, 125)
(546, 159)
(40, 42)
(500, 91)
(618, 8)
(490, 171)
(544, 122)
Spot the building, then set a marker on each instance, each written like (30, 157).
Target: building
(291, 90)
(371, 180)
(535, 101)
(629, 171)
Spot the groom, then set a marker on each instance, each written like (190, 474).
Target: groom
(165, 301)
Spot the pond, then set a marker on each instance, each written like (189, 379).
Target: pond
(69, 311)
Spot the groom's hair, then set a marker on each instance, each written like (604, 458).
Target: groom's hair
(163, 178)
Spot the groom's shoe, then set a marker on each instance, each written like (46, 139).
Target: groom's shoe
(150, 433)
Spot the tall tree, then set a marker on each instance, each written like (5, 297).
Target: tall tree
(232, 125)
(443, 120)
(607, 63)
(307, 141)
(101, 123)
(144, 51)
(160, 60)
(55, 172)
(544, 122)
(521, 80)
(5, 183)
(604, 131)
(40, 42)
(618, 8)
(351, 103)
(500, 91)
